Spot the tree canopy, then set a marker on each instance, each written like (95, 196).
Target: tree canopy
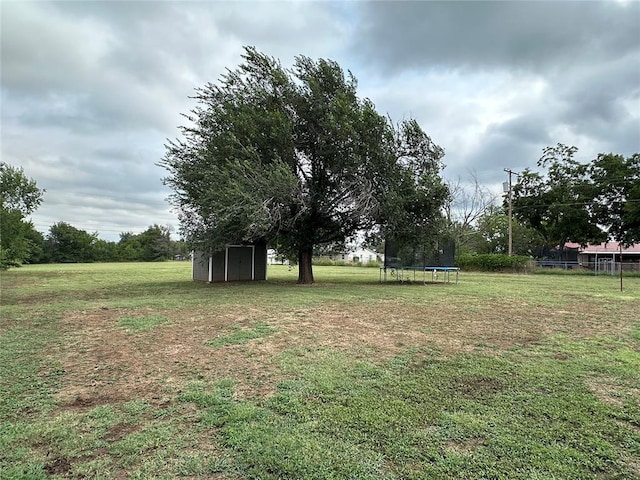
(295, 157)
(68, 244)
(19, 197)
(580, 202)
(17, 191)
(616, 193)
(490, 235)
(469, 202)
(154, 244)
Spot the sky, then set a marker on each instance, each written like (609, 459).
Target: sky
(92, 91)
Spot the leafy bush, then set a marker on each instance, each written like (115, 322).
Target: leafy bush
(324, 262)
(490, 262)
(372, 264)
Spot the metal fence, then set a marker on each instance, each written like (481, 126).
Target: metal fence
(604, 266)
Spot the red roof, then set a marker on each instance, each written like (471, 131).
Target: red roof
(609, 247)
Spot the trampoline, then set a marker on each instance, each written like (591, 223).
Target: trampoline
(404, 273)
(433, 262)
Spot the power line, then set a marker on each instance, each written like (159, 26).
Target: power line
(576, 204)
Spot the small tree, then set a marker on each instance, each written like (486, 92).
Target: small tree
(156, 244)
(490, 234)
(68, 244)
(467, 204)
(296, 158)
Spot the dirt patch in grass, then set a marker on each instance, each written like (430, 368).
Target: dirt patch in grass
(118, 431)
(104, 363)
(604, 390)
(465, 447)
(476, 387)
(87, 403)
(390, 327)
(58, 466)
(608, 391)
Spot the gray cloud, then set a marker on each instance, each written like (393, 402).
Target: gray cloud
(602, 101)
(527, 130)
(89, 100)
(546, 72)
(479, 35)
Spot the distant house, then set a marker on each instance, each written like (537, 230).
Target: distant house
(608, 256)
(356, 255)
(274, 258)
(234, 263)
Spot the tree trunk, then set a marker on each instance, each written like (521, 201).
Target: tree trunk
(305, 269)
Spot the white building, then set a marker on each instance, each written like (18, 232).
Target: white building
(355, 255)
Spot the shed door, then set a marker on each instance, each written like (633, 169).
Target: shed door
(239, 263)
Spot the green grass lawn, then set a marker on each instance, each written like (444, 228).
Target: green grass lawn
(134, 371)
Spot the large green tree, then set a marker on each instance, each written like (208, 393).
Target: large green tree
(19, 198)
(557, 203)
(156, 244)
(129, 247)
(616, 193)
(295, 157)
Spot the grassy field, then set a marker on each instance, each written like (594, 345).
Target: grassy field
(133, 371)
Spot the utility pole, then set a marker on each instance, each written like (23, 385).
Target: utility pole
(509, 189)
(620, 245)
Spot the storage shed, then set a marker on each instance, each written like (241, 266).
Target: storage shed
(234, 263)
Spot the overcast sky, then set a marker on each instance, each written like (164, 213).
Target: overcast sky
(91, 91)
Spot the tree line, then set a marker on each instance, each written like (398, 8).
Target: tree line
(21, 243)
(66, 244)
(570, 201)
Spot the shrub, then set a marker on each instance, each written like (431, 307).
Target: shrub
(372, 264)
(327, 262)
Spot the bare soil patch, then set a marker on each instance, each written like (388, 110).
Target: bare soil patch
(467, 447)
(608, 391)
(476, 387)
(58, 466)
(106, 364)
(118, 431)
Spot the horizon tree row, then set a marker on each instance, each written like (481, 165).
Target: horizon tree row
(21, 243)
(66, 244)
